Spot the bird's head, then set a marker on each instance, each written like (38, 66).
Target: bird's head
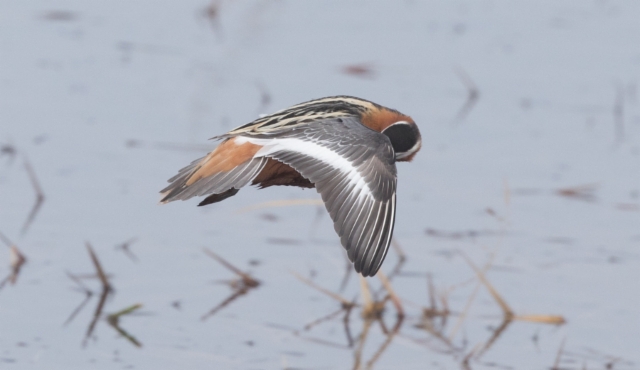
(405, 139)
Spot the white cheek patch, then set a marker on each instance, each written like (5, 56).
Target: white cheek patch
(311, 149)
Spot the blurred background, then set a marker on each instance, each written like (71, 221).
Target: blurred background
(517, 238)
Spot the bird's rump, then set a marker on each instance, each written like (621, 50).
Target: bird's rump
(229, 166)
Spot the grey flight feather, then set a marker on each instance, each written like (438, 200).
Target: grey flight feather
(363, 215)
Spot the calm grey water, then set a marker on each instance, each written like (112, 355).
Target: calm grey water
(108, 100)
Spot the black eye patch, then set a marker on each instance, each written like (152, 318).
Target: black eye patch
(402, 137)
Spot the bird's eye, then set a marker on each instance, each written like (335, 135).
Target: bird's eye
(402, 136)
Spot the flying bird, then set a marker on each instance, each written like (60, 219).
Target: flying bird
(343, 146)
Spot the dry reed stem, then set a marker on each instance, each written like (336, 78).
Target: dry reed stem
(96, 263)
(392, 294)
(463, 315)
(337, 297)
(371, 309)
(506, 310)
(542, 319)
(9, 150)
(237, 293)
(401, 254)
(362, 70)
(240, 287)
(347, 273)
(88, 294)
(96, 315)
(473, 94)
(106, 289)
(508, 314)
(345, 322)
(212, 13)
(430, 291)
(6, 240)
(229, 266)
(125, 247)
(114, 321)
(265, 97)
(322, 319)
(357, 354)
(556, 363)
(17, 260)
(376, 356)
(365, 292)
(39, 195)
(427, 321)
(468, 357)
(506, 321)
(580, 192)
(321, 341)
(347, 312)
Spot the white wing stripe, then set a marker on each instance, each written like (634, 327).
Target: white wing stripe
(376, 245)
(389, 234)
(363, 246)
(311, 149)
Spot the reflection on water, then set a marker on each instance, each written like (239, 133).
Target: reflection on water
(240, 286)
(432, 319)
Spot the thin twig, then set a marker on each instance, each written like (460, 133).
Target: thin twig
(542, 319)
(556, 363)
(376, 356)
(39, 195)
(232, 268)
(88, 294)
(506, 310)
(237, 293)
(114, 321)
(125, 247)
(506, 321)
(392, 294)
(240, 287)
(463, 315)
(6, 240)
(347, 272)
(358, 351)
(473, 94)
(17, 261)
(265, 97)
(323, 319)
(100, 272)
(106, 290)
(337, 297)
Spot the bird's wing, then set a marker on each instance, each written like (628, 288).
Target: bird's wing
(353, 168)
(221, 184)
